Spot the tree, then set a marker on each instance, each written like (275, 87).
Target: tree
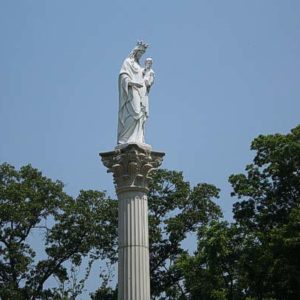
(72, 229)
(268, 213)
(175, 210)
(255, 257)
(212, 272)
(258, 255)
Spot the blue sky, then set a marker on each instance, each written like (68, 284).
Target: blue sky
(226, 71)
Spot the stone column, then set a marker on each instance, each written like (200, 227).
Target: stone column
(131, 165)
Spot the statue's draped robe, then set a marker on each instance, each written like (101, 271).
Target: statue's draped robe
(133, 104)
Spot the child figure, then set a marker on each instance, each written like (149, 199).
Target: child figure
(148, 73)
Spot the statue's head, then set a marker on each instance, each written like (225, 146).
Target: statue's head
(138, 50)
(148, 62)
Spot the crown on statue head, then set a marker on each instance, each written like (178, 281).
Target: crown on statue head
(140, 45)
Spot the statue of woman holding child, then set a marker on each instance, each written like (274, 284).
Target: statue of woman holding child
(134, 86)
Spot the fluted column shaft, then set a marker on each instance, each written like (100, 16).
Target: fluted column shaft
(134, 277)
(131, 166)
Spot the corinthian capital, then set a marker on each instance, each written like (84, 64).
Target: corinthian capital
(131, 166)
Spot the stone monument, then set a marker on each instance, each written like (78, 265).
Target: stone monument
(131, 163)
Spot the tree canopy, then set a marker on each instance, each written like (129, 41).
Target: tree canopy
(257, 256)
(71, 230)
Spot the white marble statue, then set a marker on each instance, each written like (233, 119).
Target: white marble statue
(134, 87)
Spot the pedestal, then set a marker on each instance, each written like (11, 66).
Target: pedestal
(131, 166)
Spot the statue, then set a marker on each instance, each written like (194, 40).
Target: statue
(134, 86)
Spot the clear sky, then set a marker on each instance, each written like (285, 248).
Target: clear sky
(226, 71)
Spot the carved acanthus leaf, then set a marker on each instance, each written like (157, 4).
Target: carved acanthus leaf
(132, 165)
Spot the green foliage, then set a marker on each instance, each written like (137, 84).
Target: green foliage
(255, 257)
(272, 185)
(212, 272)
(72, 229)
(105, 293)
(269, 216)
(258, 256)
(175, 210)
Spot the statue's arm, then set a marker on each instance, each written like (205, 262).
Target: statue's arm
(149, 80)
(126, 82)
